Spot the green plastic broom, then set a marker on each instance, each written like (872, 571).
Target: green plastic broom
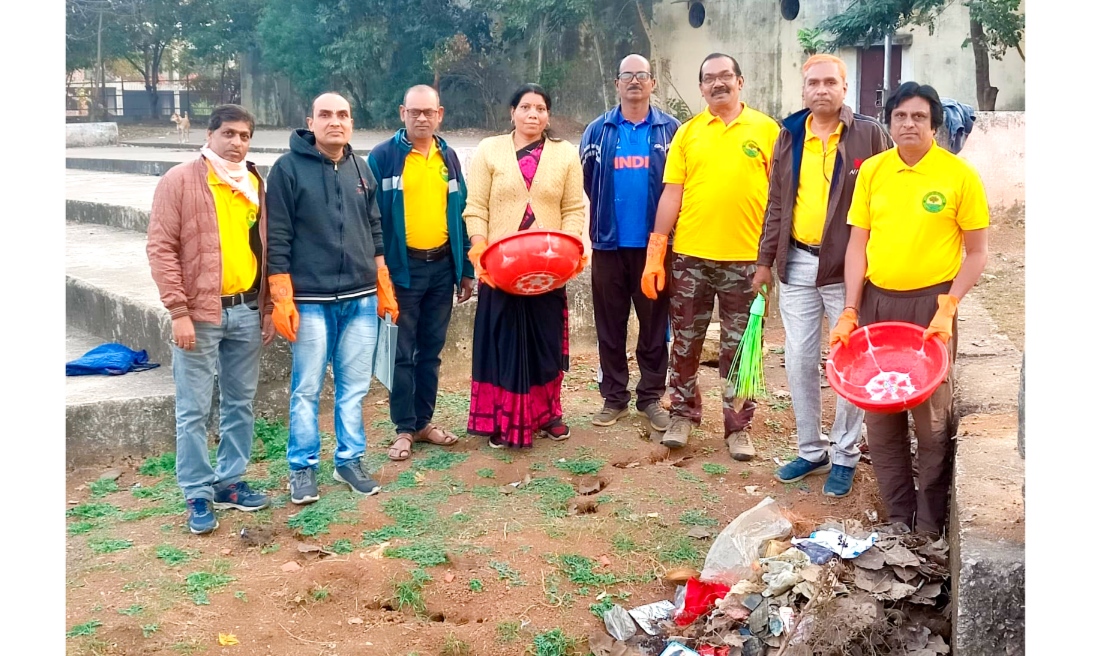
(746, 376)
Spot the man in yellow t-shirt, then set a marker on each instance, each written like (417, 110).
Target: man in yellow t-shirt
(716, 187)
(221, 311)
(919, 243)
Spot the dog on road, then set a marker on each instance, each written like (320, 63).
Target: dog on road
(184, 127)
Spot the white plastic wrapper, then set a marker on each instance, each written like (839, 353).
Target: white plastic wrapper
(843, 545)
(737, 547)
(649, 615)
(619, 623)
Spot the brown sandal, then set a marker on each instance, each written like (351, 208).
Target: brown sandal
(436, 435)
(399, 453)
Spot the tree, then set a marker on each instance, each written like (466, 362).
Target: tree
(85, 46)
(994, 26)
(147, 30)
(215, 40)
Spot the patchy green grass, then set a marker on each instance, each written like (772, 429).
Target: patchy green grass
(582, 463)
(553, 495)
(602, 606)
(680, 551)
(172, 556)
(332, 508)
(412, 519)
(476, 585)
(506, 573)
(198, 584)
(552, 643)
(424, 553)
(454, 646)
(341, 547)
(79, 528)
(715, 469)
(109, 545)
(132, 610)
(149, 629)
(86, 629)
(161, 465)
(94, 511)
(697, 517)
(102, 487)
(537, 466)
(405, 481)
(440, 460)
(507, 631)
(408, 594)
(485, 472)
(581, 571)
(320, 593)
(623, 543)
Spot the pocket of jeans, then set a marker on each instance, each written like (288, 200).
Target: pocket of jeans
(252, 305)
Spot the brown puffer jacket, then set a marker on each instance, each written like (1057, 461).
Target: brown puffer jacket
(182, 244)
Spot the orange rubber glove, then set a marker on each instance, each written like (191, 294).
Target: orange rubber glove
(286, 318)
(652, 277)
(941, 326)
(846, 324)
(474, 256)
(386, 302)
(583, 263)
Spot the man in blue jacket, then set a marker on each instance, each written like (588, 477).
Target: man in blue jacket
(425, 246)
(623, 153)
(329, 285)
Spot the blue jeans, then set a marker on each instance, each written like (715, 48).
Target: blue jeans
(231, 350)
(425, 307)
(342, 334)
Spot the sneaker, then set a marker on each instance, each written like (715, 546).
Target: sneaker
(555, 430)
(800, 468)
(302, 484)
(741, 447)
(839, 482)
(201, 516)
(352, 475)
(608, 415)
(240, 497)
(678, 431)
(658, 416)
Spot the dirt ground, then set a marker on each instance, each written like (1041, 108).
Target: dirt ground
(449, 559)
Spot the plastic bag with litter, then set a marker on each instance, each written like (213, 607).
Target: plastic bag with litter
(736, 549)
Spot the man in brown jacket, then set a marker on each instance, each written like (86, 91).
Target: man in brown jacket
(221, 312)
(817, 156)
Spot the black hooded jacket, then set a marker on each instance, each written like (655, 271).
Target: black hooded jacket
(324, 223)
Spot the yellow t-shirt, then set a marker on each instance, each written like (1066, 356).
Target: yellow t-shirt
(724, 171)
(236, 215)
(917, 216)
(812, 196)
(425, 188)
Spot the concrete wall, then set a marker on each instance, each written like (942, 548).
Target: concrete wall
(83, 135)
(766, 47)
(996, 148)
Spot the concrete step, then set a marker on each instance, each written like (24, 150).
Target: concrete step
(144, 160)
(987, 538)
(111, 294)
(109, 417)
(111, 199)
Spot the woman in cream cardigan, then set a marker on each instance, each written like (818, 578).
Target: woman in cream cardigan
(517, 181)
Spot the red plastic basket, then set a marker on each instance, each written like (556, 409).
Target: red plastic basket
(887, 367)
(532, 262)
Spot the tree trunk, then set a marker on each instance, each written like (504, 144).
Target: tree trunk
(603, 82)
(98, 98)
(541, 45)
(658, 64)
(985, 94)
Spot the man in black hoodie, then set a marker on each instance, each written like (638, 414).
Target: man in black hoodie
(329, 284)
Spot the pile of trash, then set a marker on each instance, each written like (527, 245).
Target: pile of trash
(842, 590)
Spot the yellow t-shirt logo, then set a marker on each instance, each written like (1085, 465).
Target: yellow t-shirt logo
(934, 202)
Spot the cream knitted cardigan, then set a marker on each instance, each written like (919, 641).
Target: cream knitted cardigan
(497, 194)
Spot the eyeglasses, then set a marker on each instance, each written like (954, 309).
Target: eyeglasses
(415, 113)
(640, 75)
(728, 76)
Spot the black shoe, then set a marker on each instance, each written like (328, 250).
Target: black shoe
(303, 486)
(352, 475)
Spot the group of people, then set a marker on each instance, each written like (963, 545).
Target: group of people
(861, 226)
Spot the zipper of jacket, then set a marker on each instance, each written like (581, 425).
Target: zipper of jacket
(341, 225)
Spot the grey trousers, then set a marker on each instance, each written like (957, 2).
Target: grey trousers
(802, 306)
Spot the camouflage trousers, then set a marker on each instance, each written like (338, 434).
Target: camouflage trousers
(695, 284)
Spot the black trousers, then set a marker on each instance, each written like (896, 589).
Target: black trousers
(615, 282)
(425, 308)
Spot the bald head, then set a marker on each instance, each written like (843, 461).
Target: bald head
(330, 98)
(634, 63)
(424, 92)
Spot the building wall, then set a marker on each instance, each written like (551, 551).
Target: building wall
(766, 47)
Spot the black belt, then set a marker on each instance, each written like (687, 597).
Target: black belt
(813, 250)
(239, 298)
(432, 255)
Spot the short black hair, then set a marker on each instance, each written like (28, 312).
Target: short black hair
(719, 55)
(229, 114)
(908, 90)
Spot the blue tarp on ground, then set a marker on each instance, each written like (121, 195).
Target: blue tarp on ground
(110, 360)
